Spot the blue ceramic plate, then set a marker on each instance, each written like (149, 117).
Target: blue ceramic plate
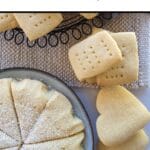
(55, 83)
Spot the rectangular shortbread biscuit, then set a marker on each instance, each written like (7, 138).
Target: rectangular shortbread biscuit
(36, 25)
(127, 70)
(94, 55)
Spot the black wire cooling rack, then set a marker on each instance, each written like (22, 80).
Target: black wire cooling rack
(73, 22)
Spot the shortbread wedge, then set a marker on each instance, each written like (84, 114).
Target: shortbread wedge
(8, 117)
(94, 55)
(6, 141)
(122, 115)
(137, 142)
(36, 25)
(56, 121)
(7, 21)
(89, 15)
(30, 98)
(127, 70)
(70, 143)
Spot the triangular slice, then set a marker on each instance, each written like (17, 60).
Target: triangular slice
(56, 121)
(36, 25)
(127, 70)
(6, 141)
(137, 142)
(7, 21)
(71, 143)
(94, 55)
(8, 118)
(122, 115)
(30, 97)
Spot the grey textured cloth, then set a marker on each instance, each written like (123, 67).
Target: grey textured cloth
(55, 60)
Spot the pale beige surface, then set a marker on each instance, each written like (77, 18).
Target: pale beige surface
(60, 122)
(12, 148)
(6, 141)
(7, 21)
(88, 15)
(8, 119)
(137, 142)
(44, 115)
(30, 98)
(70, 143)
(36, 25)
(127, 70)
(122, 115)
(94, 55)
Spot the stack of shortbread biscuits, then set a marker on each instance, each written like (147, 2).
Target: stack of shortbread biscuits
(106, 58)
(111, 59)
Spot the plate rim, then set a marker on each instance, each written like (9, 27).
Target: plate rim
(62, 82)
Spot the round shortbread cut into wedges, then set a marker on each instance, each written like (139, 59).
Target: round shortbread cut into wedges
(122, 115)
(137, 142)
(34, 116)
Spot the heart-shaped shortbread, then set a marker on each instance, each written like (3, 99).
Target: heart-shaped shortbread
(122, 115)
(137, 142)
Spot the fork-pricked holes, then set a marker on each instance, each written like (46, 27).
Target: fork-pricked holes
(110, 54)
(123, 46)
(36, 25)
(114, 76)
(76, 54)
(122, 67)
(121, 75)
(89, 62)
(30, 16)
(84, 52)
(123, 55)
(4, 16)
(117, 67)
(84, 69)
(41, 21)
(98, 61)
(93, 67)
